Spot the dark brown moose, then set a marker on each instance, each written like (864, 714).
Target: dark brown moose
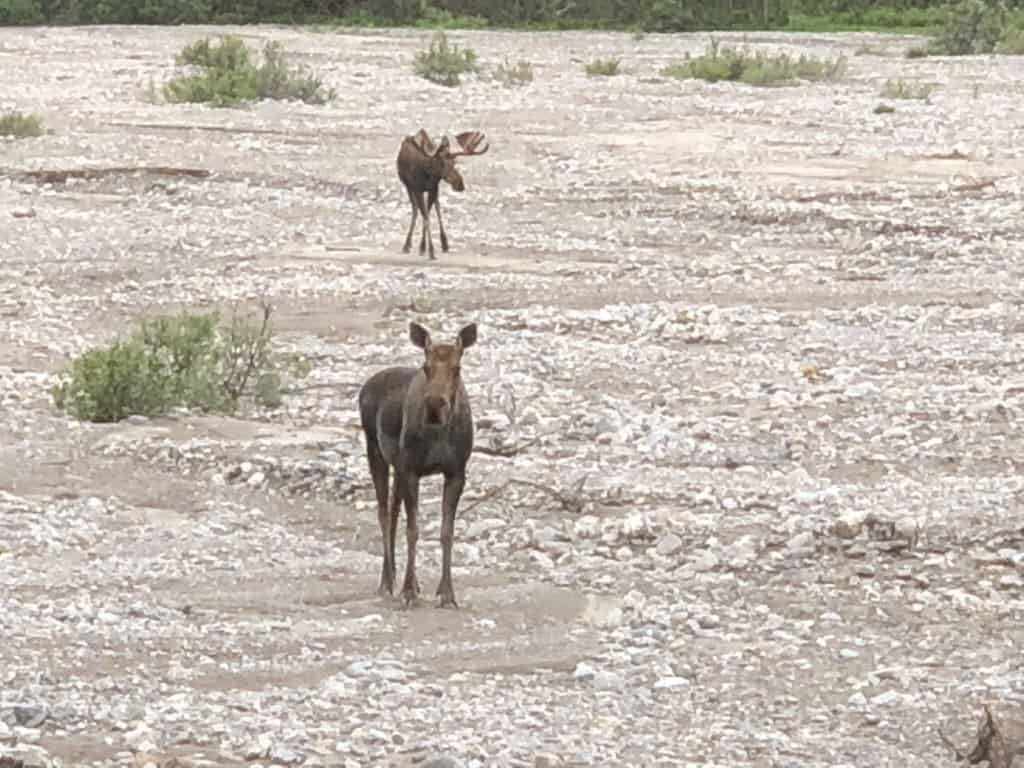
(421, 167)
(418, 422)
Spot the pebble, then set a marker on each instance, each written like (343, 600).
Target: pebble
(671, 682)
(668, 545)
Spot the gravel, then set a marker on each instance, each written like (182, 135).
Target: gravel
(747, 392)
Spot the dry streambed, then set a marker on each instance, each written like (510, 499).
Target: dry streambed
(748, 396)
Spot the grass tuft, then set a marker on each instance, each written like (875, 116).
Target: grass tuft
(20, 125)
(602, 67)
(902, 89)
(519, 73)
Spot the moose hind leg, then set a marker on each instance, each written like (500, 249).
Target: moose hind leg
(379, 472)
(394, 511)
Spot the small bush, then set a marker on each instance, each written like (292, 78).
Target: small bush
(21, 126)
(444, 63)
(884, 109)
(901, 89)
(917, 52)
(519, 74)
(190, 360)
(755, 67)
(228, 76)
(1012, 43)
(602, 67)
(971, 27)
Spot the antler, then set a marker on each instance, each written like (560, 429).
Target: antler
(469, 141)
(424, 144)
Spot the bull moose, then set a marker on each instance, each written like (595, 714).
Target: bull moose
(421, 167)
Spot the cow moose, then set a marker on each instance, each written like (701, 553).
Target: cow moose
(421, 167)
(418, 422)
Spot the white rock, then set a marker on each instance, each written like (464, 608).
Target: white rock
(670, 682)
(669, 545)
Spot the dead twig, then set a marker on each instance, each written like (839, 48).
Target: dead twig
(571, 501)
(957, 754)
(515, 450)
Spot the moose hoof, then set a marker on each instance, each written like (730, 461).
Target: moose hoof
(386, 590)
(406, 248)
(447, 597)
(409, 598)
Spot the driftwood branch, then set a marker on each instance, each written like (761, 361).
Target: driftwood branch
(509, 452)
(571, 501)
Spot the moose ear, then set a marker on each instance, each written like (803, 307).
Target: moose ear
(467, 336)
(419, 336)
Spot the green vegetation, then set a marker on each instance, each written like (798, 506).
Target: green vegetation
(20, 125)
(602, 67)
(444, 63)
(520, 73)
(755, 67)
(228, 76)
(901, 89)
(884, 109)
(1012, 42)
(641, 15)
(190, 360)
(961, 25)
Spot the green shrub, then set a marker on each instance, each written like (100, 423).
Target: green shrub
(21, 125)
(755, 67)
(519, 74)
(444, 63)
(20, 12)
(228, 76)
(602, 67)
(189, 360)
(901, 89)
(917, 52)
(1012, 43)
(971, 27)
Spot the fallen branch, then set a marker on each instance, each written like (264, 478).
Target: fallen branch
(515, 450)
(570, 501)
(62, 176)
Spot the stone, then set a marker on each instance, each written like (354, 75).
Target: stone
(850, 524)
(669, 545)
(670, 682)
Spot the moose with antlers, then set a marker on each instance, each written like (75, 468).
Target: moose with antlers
(421, 167)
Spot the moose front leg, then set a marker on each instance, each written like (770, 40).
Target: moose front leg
(412, 224)
(435, 203)
(453, 486)
(425, 238)
(410, 485)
